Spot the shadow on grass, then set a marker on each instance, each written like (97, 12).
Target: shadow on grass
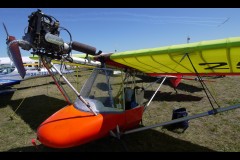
(5, 99)
(182, 86)
(145, 141)
(40, 85)
(188, 88)
(34, 110)
(169, 96)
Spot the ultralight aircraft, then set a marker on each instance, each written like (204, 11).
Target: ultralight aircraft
(102, 108)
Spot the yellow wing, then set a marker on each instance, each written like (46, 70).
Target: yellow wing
(211, 57)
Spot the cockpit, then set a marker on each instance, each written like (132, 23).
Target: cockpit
(105, 91)
(6, 70)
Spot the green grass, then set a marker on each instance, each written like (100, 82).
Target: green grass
(40, 99)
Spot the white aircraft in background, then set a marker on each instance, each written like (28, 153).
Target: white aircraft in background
(79, 59)
(7, 61)
(9, 74)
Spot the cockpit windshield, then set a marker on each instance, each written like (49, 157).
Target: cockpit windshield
(103, 90)
(6, 70)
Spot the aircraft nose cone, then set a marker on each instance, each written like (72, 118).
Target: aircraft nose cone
(69, 127)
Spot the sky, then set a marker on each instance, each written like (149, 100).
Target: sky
(123, 29)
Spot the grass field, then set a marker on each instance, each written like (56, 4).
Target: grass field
(37, 99)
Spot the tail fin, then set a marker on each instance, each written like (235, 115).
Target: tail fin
(175, 81)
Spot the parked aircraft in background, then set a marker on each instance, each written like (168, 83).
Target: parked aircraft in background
(8, 61)
(9, 76)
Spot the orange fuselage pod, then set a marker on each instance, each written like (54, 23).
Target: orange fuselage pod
(71, 127)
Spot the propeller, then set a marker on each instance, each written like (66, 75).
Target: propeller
(14, 53)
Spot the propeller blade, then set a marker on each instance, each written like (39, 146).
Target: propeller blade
(5, 28)
(15, 53)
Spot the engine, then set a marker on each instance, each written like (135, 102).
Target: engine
(43, 37)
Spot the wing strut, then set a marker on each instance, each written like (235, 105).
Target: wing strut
(204, 86)
(61, 89)
(154, 93)
(71, 86)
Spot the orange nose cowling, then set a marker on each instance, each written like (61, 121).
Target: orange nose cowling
(69, 127)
